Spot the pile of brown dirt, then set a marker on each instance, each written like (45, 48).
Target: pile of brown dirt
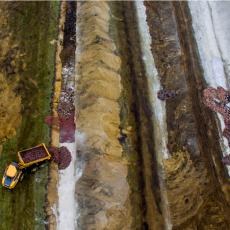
(61, 156)
(102, 191)
(188, 186)
(217, 100)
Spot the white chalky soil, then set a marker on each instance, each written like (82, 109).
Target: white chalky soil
(66, 193)
(210, 21)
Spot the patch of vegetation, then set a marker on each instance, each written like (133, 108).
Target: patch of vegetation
(33, 25)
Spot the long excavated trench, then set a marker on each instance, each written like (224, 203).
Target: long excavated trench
(192, 134)
(185, 186)
(137, 162)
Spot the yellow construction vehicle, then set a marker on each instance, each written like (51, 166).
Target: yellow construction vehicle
(12, 175)
(28, 158)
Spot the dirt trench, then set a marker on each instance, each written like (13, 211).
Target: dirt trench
(140, 108)
(135, 112)
(196, 181)
(195, 173)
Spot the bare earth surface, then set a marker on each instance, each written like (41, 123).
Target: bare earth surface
(137, 108)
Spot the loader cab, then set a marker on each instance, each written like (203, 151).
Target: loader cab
(11, 175)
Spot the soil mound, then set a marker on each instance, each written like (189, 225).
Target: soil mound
(217, 100)
(33, 154)
(61, 156)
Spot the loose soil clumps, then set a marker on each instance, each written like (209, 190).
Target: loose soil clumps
(164, 94)
(33, 154)
(66, 106)
(185, 181)
(217, 100)
(61, 156)
(102, 191)
(65, 120)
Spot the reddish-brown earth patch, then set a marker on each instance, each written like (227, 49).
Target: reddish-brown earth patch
(217, 100)
(65, 120)
(33, 154)
(61, 156)
(164, 94)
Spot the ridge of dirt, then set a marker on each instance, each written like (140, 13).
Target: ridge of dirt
(102, 191)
